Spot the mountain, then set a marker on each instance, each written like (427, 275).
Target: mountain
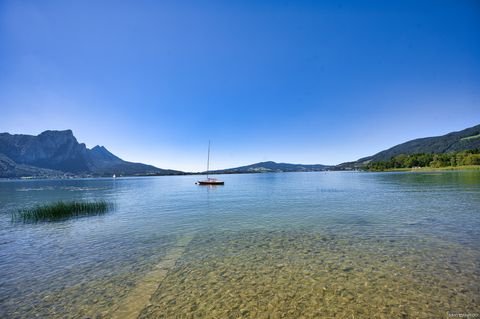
(266, 167)
(467, 139)
(9, 168)
(56, 153)
(104, 162)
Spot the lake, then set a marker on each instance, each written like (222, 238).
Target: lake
(286, 245)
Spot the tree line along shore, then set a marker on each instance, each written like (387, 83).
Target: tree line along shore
(453, 160)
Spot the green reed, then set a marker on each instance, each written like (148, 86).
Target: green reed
(61, 210)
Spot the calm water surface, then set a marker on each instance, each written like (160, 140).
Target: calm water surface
(317, 245)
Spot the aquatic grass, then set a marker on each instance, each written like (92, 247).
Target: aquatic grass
(61, 210)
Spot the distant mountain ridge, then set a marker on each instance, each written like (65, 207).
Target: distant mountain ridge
(267, 167)
(58, 153)
(467, 139)
(55, 153)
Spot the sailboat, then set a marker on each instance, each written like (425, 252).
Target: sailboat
(210, 181)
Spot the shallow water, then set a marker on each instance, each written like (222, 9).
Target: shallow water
(335, 244)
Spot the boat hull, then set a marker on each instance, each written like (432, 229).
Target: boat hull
(210, 182)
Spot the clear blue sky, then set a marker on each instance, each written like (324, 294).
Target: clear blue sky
(291, 81)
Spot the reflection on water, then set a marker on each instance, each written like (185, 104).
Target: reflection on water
(353, 245)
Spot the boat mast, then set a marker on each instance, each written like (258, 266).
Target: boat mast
(208, 158)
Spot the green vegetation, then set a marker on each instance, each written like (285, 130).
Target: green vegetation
(421, 160)
(434, 169)
(61, 210)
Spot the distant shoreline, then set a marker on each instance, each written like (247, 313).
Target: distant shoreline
(431, 169)
(418, 169)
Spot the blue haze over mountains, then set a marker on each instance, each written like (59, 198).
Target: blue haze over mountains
(58, 153)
